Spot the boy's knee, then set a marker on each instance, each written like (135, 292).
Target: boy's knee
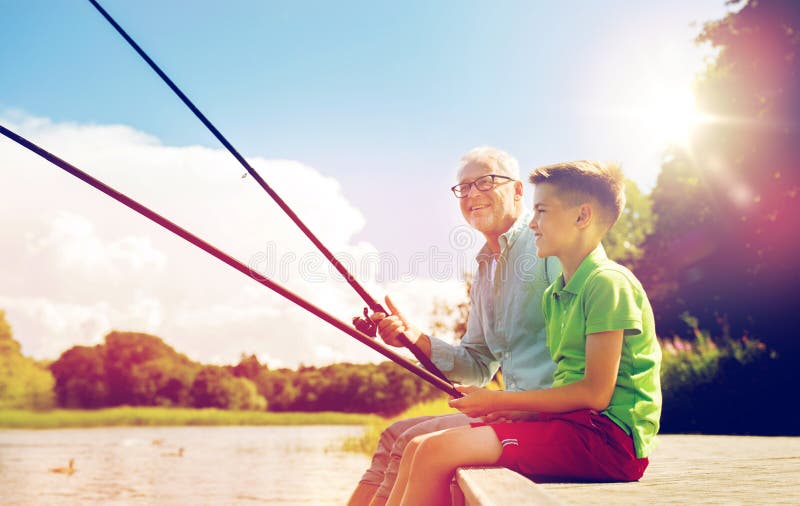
(426, 427)
(429, 445)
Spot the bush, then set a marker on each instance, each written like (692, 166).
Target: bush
(723, 386)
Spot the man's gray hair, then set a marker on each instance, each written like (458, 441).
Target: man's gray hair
(495, 159)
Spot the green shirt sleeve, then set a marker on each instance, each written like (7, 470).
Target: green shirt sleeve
(611, 303)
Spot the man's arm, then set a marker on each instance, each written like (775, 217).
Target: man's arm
(593, 391)
(469, 362)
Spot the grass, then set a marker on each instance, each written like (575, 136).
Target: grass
(153, 416)
(367, 443)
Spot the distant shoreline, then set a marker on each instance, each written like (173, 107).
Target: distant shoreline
(127, 416)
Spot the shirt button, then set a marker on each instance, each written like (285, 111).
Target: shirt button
(506, 354)
(512, 384)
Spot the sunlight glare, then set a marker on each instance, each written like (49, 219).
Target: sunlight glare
(669, 116)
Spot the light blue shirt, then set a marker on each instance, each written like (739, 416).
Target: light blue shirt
(505, 329)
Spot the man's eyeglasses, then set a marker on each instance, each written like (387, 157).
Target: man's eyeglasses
(483, 183)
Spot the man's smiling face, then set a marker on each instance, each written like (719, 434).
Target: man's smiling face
(490, 212)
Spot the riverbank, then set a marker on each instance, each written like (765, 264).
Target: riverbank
(154, 416)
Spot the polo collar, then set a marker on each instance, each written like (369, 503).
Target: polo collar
(507, 239)
(593, 260)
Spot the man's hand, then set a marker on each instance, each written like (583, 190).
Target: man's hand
(389, 327)
(476, 402)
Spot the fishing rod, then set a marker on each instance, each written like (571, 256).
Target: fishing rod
(224, 257)
(365, 325)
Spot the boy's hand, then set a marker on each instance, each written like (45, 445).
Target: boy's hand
(476, 401)
(389, 327)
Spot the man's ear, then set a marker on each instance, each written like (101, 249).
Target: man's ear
(585, 215)
(518, 187)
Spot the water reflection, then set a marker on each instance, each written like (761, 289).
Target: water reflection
(141, 465)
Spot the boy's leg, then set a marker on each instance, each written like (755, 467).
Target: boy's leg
(433, 424)
(372, 478)
(436, 457)
(362, 495)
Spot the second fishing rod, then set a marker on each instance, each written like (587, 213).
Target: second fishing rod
(364, 325)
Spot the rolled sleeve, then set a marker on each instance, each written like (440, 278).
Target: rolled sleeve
(443, 355)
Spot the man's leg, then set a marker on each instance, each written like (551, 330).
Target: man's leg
(433, 424)
(372, 478)
(428, 468)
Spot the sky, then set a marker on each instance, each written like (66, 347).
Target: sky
(356, 113)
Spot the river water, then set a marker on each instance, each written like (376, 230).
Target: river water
(219, 465)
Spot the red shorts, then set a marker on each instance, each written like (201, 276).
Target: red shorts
(576, 446)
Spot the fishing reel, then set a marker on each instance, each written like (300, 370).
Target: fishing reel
(365, 325)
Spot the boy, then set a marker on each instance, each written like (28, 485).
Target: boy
(599, 420)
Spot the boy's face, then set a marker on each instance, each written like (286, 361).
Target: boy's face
(554, 222)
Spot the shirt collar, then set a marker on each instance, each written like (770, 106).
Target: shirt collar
(593, 260)
(507, 238)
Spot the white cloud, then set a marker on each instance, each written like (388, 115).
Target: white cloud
(73, 244)
(46, 328)
(76, 265)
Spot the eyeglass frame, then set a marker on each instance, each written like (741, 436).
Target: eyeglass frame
(473, 183)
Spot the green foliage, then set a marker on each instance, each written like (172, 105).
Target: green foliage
(724, 242)
(623, 242)
(23, 382)
(723, 386)
(142, 370)
(216, 387)
(80, 375)
(385, 388)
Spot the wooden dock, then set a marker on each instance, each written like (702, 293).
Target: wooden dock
(684, 469)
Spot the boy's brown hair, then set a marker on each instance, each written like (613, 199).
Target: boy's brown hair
(583, 180)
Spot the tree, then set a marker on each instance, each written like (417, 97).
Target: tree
(23, 382)
(142, 370)
(253, 370)
(216, 387)
(623, 243)
(81, 380)
(725, 240)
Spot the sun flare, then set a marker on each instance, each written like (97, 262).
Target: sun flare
(670, 115)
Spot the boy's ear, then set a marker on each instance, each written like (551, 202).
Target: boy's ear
(585, 216)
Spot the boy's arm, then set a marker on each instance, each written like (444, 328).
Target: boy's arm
(594, 391)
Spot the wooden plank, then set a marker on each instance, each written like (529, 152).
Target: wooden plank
(684, 469)
(694, 469)
(489, 486)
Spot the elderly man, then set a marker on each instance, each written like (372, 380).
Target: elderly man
(505, 329)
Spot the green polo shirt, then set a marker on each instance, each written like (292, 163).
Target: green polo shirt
(601, 296)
